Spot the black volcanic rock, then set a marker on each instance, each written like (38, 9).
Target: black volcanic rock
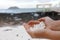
(14, 7)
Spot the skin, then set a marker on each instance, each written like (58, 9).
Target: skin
(51, 31)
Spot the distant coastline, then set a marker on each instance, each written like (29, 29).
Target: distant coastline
(15, 9)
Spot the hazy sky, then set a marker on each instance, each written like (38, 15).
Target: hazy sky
(22, 3)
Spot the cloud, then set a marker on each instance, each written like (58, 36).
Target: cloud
(6, 3)
(23, 3)
(19, 3)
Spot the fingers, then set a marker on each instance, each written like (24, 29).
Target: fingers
(32, 22)
(48, 22)
(31, 33)
(26, 26)
(45, 18)
(36, 34)
(41, 19)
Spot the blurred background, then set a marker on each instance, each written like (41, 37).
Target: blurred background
(13, 12)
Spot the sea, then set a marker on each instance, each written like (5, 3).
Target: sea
(21, 10)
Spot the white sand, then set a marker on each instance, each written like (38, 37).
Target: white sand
(37, 27)
(14, 33)
(11, 33)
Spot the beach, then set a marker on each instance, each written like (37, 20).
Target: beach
(17, 32)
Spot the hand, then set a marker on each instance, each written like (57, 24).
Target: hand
(33, 34)
(50, 23)
(51, 30)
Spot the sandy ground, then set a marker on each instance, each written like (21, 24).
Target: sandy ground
(15, 33)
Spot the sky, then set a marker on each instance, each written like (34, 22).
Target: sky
(4, 4)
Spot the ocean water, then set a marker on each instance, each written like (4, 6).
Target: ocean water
(22, 10)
